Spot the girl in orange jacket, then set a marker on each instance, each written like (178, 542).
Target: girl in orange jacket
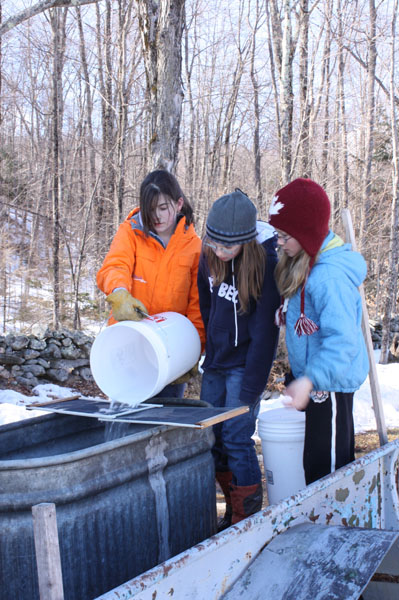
(152, 263)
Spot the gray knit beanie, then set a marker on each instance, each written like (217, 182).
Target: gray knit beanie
(232, 219)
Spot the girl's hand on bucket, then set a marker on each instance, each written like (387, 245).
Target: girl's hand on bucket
(299, 391)
(286, 400)
(125, 307)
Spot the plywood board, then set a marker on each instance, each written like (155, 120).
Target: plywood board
(148, 414)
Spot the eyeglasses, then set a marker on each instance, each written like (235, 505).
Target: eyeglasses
(282, 238)
(215, 248)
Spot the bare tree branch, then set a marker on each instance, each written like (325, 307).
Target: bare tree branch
(378, 80)
(38, 8)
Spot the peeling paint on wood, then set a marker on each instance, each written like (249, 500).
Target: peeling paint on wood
(314, 561)
(341, 495)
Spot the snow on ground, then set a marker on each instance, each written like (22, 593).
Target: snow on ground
(13, 404)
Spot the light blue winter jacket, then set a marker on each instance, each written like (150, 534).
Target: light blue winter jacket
(334, 357)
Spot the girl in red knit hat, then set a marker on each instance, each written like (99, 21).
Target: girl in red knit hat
(318, 277)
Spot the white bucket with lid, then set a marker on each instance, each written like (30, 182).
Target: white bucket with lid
(132, 361)
(282, 433)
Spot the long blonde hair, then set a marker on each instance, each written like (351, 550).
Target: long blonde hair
(290, 273)
(249, 271)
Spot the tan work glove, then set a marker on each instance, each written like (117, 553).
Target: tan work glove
(187, 376)
(125, 307)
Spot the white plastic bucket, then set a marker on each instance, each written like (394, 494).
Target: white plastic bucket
(132, 361)
(282, 433)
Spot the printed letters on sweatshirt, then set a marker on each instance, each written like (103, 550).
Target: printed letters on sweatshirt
(226, 291)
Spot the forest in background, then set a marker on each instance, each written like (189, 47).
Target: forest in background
(247, 93)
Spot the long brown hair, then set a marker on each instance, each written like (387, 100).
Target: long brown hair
(249, 271)
(156, 183)
(291, 272)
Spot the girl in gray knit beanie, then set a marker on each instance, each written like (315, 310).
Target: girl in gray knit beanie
(238, 299)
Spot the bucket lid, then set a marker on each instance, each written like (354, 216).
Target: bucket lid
(287, 414)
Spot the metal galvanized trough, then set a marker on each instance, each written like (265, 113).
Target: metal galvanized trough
(334, 540)
(123, 505)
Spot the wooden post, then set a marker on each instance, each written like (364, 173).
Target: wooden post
(374, 385)
(47, 548)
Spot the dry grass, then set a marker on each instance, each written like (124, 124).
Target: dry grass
(368, 441)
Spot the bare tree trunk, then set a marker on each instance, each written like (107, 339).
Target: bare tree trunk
(286, 95)
(104, 221)
(282, 59)
(230, 110)
(304, 89)
(327, 75)
(123, 92)
(343, 143)
(1, 65)
(335, 154)
(58, 17)
(161, 25)
(369, 146)
(89, 100)
(256, 108)
(188, 67)
(391, 291)
(76, 274)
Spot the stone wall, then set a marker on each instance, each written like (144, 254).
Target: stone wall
(50, 356)
(55, 356)
(376, 334)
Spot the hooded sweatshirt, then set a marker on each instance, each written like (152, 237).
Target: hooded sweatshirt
(246, 340)
(335, 356)
(162, 278)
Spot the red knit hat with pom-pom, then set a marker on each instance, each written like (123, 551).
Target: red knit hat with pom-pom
(301, 209)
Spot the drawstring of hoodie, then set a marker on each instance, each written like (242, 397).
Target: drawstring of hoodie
(235, 305)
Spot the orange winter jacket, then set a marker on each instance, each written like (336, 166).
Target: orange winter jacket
(163, 279)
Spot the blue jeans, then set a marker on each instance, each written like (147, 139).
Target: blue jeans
(234, 447)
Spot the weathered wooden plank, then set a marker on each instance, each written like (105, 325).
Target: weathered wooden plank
(314, 561)
(373, 377)
(227, 414)
(47, 548)
(57, 400)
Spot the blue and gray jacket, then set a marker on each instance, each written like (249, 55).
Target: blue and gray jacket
(334, 357)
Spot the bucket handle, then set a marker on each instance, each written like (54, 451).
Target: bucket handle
(162, 332)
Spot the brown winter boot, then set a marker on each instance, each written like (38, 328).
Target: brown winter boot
(245, 500)
(224, 479)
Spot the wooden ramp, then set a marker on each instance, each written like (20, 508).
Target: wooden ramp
(318, 562)
(181, 415)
